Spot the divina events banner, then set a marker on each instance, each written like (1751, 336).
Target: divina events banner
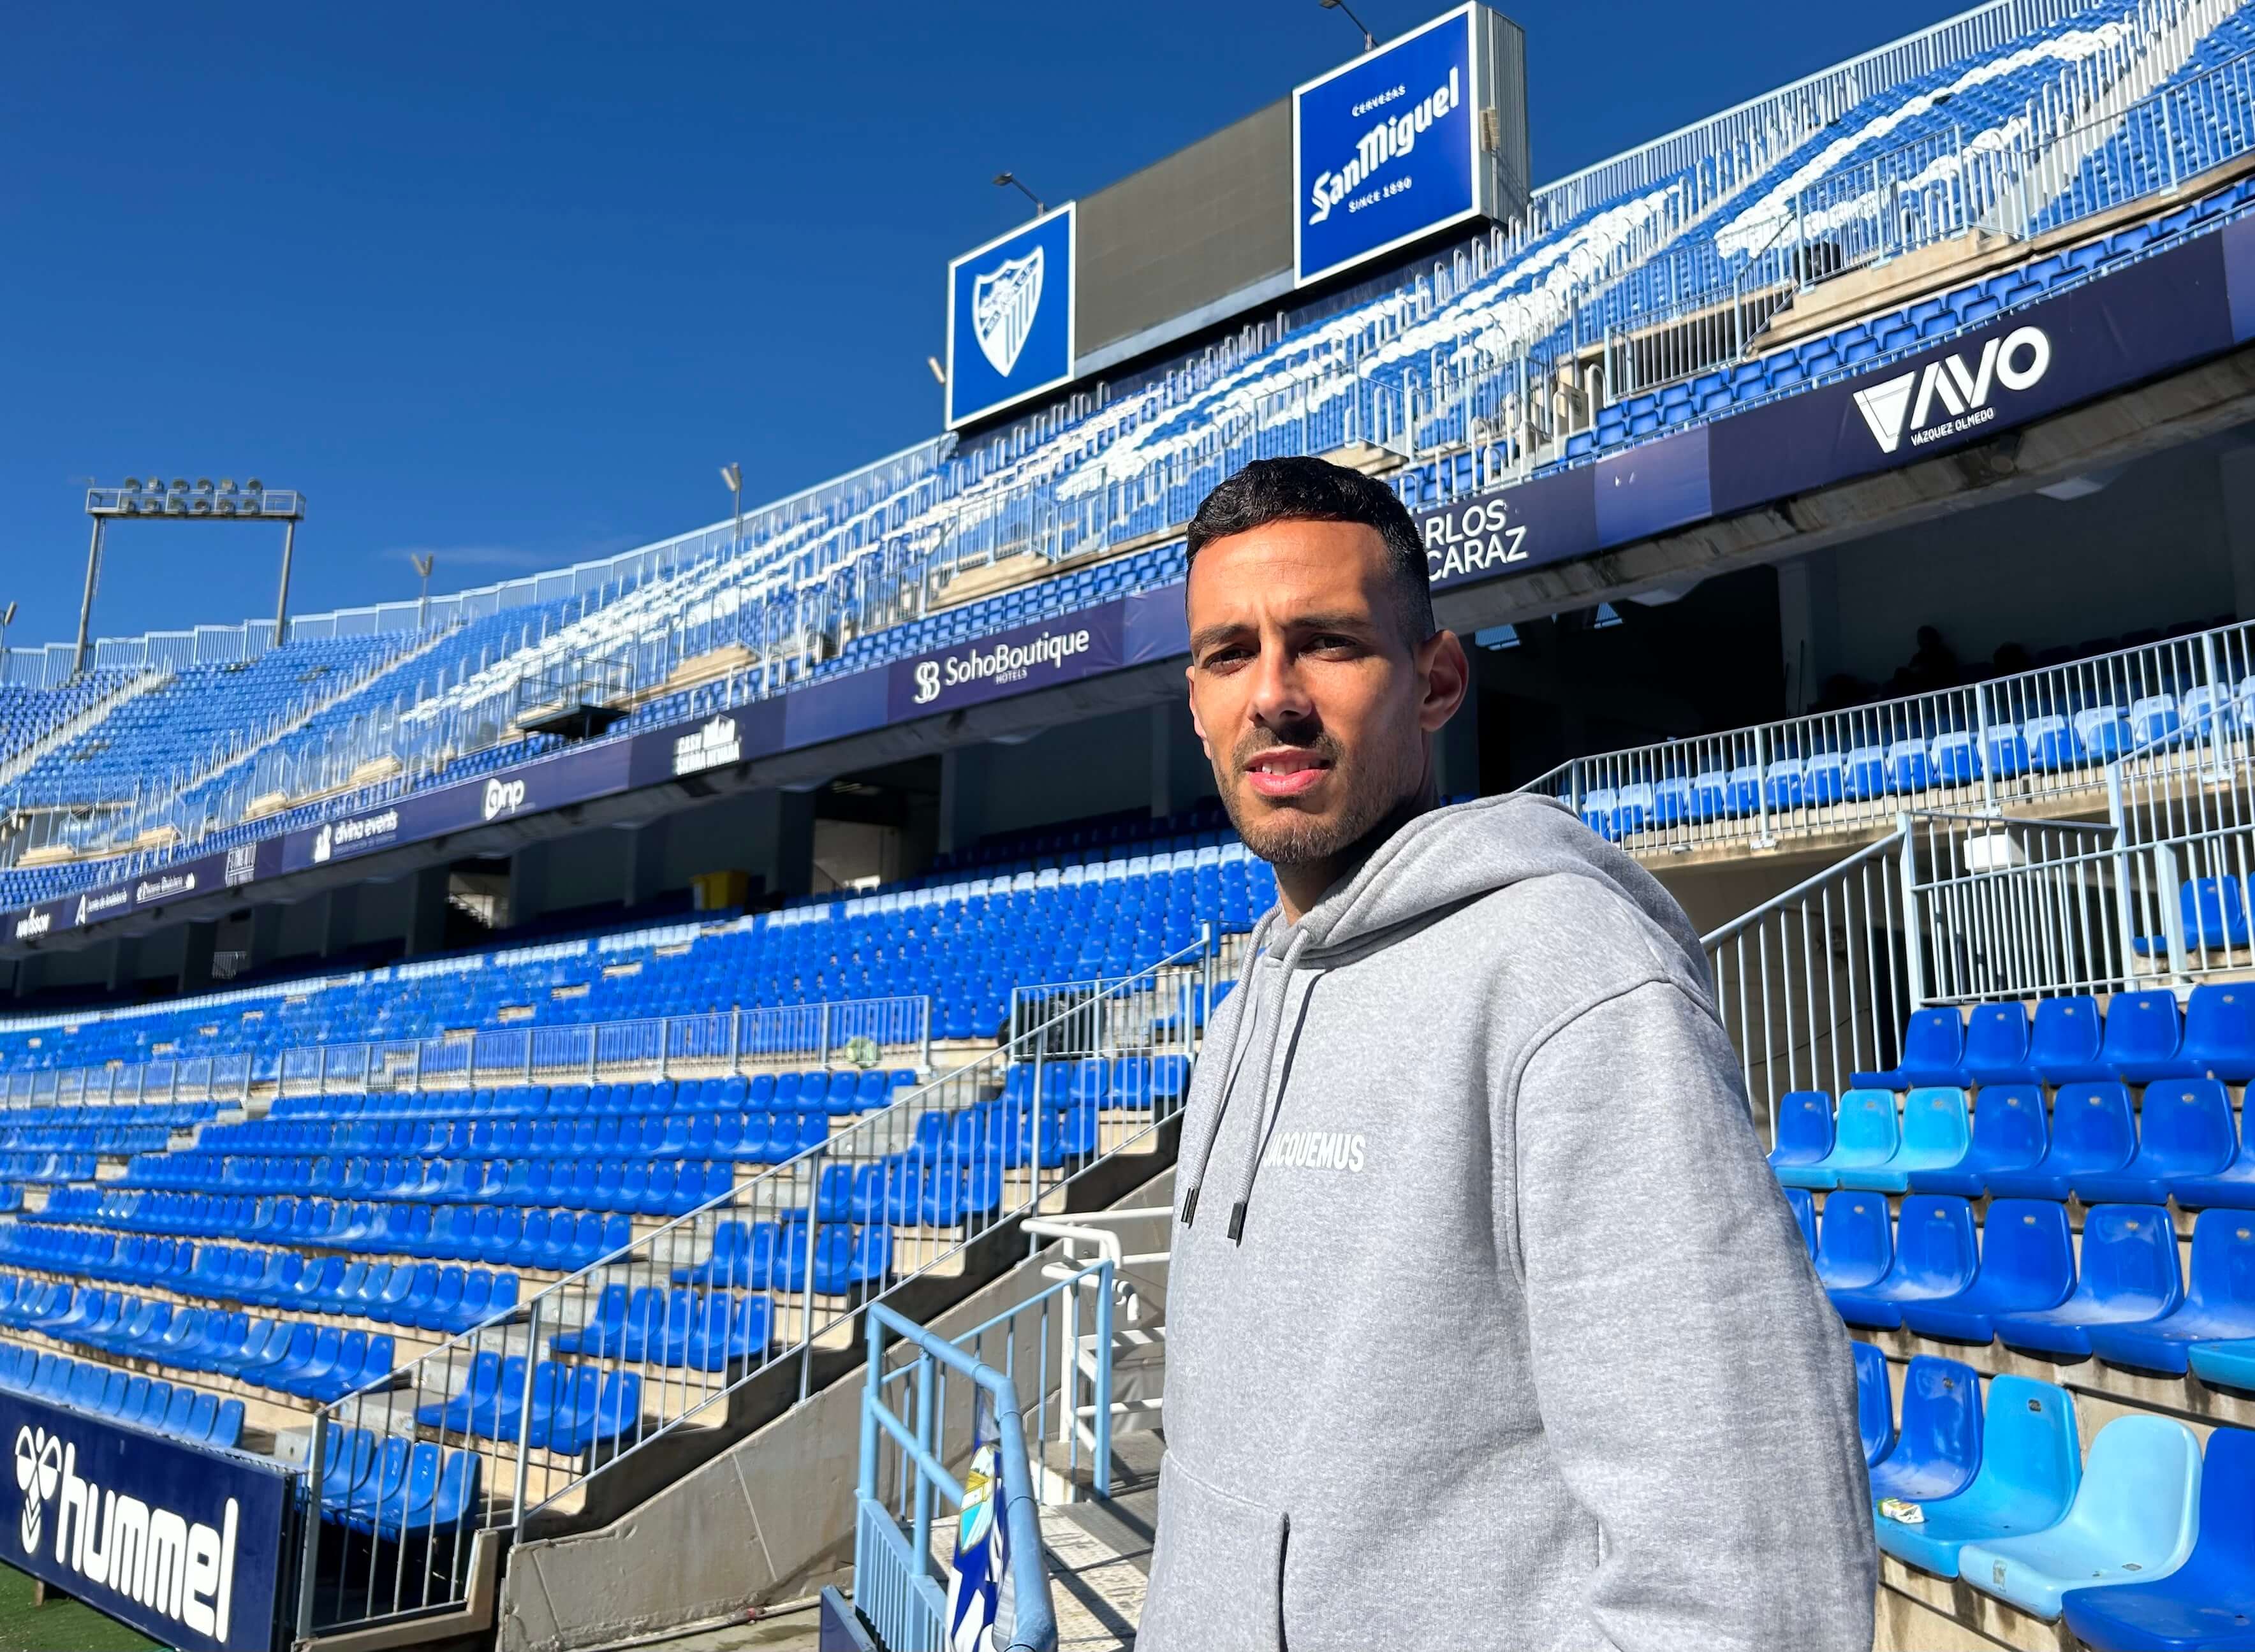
(184, 1545)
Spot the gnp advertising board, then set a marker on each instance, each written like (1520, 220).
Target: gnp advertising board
(184, 1544)
(1011, 317)
(1385, 150)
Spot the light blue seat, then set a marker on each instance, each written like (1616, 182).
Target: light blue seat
(2031, 1464)
(2133, 1520)
(1865, 1135)
(2207, 1604)
(1936, 1131)
(2225, 1364)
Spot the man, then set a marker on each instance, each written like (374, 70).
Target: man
(1488, 1326)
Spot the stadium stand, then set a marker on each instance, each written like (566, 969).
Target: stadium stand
(509, 1243)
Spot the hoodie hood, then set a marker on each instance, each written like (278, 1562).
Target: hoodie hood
(1436, 862)
(1449, 856)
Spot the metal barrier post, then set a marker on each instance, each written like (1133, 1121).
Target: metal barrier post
(1981, 748)
(309, 1560)
(1914, 937)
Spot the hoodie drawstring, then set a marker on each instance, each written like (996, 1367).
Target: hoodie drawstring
(1285, 966)
(1238, 1047)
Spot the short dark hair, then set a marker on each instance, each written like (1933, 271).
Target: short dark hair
(1312, 490)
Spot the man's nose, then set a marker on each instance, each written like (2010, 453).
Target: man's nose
(1279, 692)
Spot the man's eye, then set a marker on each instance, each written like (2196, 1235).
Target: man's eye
(1223, 657)
(1330, 644)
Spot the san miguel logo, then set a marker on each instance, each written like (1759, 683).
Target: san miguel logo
(1382, 144)
(1005, 662)
(1949, 396)
(176, 1567)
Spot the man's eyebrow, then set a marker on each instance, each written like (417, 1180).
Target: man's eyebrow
(1211, 635)
(1353, 624)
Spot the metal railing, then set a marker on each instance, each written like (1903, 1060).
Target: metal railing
(709, 1044)
(907, 1459)
(651, 1341)
(2036, 736)
(205, 1078)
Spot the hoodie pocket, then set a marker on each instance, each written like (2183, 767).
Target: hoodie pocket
(1218, 1574)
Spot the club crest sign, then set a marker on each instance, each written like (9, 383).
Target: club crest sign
(1011, 319)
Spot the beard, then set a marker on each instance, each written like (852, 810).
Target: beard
(1284, 835)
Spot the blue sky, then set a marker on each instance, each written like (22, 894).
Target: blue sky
(506, 283)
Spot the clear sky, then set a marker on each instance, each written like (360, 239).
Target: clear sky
(508, 282)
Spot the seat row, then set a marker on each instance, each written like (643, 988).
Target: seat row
(2140, 1038)
(855, 1091)
(574, 1408)
(2126, 1298)
(754, 1137)
(695, 1330)
(662, 1187)
(181, 1413)
(769, 1256)
(396, 1488)
(2089, 1142)
(321, 1365)
(2143, 1545)
(561, 1240)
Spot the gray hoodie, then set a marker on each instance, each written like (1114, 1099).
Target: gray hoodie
(1488, 1326)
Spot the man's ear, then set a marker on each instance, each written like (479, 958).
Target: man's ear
(1447, 676)
(1190, 681)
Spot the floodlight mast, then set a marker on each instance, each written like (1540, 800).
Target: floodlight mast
(181, 500)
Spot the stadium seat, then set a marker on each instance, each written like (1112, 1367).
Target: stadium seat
(2225, 1364)
(2027, 1264)
(2065, 1041)
(2093, 1132)
(2031, 1465)
(1934, 1258)
(1805, 1139)
(1997, 1045)
(2133, 1518)
(1865, 1135)
(2142, 1035)
(2012, 1129)
(2218, 1305)
(2207, 1604)
(2184, 1131)
(2219, 1030)
(1935, 1136)
(2127, 1272)
(1937, 1448)
(1933, 1052)
(1804, 1216)
(1855, 1242)
(1875, 1408)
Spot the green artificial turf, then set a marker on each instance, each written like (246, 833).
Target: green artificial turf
(60, 1626)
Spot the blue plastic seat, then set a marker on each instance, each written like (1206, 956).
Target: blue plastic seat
(2066, 1040)
(2184, 1131)
(1805, 1139)
(1937, 1448)
(1997, 1045)
(2031, 1465)
(2219, 1029)
(1935, 1137)
(1804, 1216)
(2225, 1364)
(2127, 1272)
(2207, 1604)
(2218, 1305)
(1865, 1135)
(2028, 1263)
(2093, 1130)
(2143, 1033)
(2012, 1129)
(1933, 1052)
(1875, 1408)
(2133, 1519)
(1934, 1257)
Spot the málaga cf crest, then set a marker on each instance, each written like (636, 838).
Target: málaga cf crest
(1002, 305)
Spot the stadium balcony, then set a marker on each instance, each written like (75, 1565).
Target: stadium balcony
(1982, 137)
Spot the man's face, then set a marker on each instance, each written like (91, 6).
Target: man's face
(1312, 702)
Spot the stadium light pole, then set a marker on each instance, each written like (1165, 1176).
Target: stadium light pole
(1010, 180)
(179, 501)
(1369, 40)
(7, 619)
(733, 474)
(423, 562)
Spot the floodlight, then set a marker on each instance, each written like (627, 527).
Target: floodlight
(1010, 180)
(181, 500)
(1369, 40)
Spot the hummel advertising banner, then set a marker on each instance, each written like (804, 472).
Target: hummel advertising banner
(1385, 150)
(1011, 317)
(184, 1545)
